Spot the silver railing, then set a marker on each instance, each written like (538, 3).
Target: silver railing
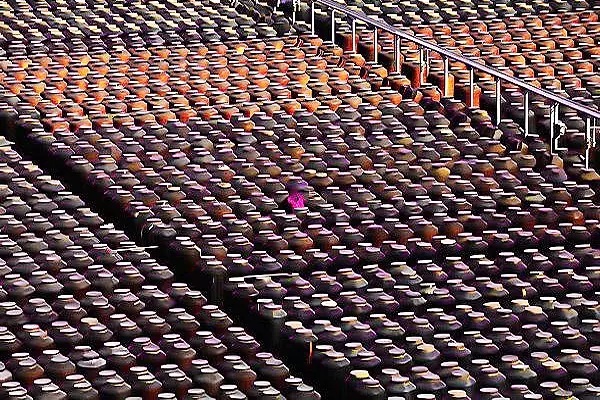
(589, 115)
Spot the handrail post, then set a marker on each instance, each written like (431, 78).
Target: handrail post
(552, 129)
(421, 56)
(446, 74)
(588, 147)
(427, 61)
(593, 133)
(354, 39)
(498, 101)
(333, 26)
(471, 87)
(312, 17)
(397, 51)
(294, 7)
(593, 130)
(556, 121)
(526, 111)
(375, 55)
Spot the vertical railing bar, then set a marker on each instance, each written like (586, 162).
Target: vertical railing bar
(552, 125)
(333, 26)
(354, 36)
(556, 121)
(593, 131)
(397, 51)
(375, 55)
(526, 111)
(471, 87)
(587, 142)
(312, 18)
(294, 7)
(498, 101)
(446, 74)
(420, 65)
(426, 71)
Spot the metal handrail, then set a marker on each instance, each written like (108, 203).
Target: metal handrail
(376, 23)
(591, 115)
